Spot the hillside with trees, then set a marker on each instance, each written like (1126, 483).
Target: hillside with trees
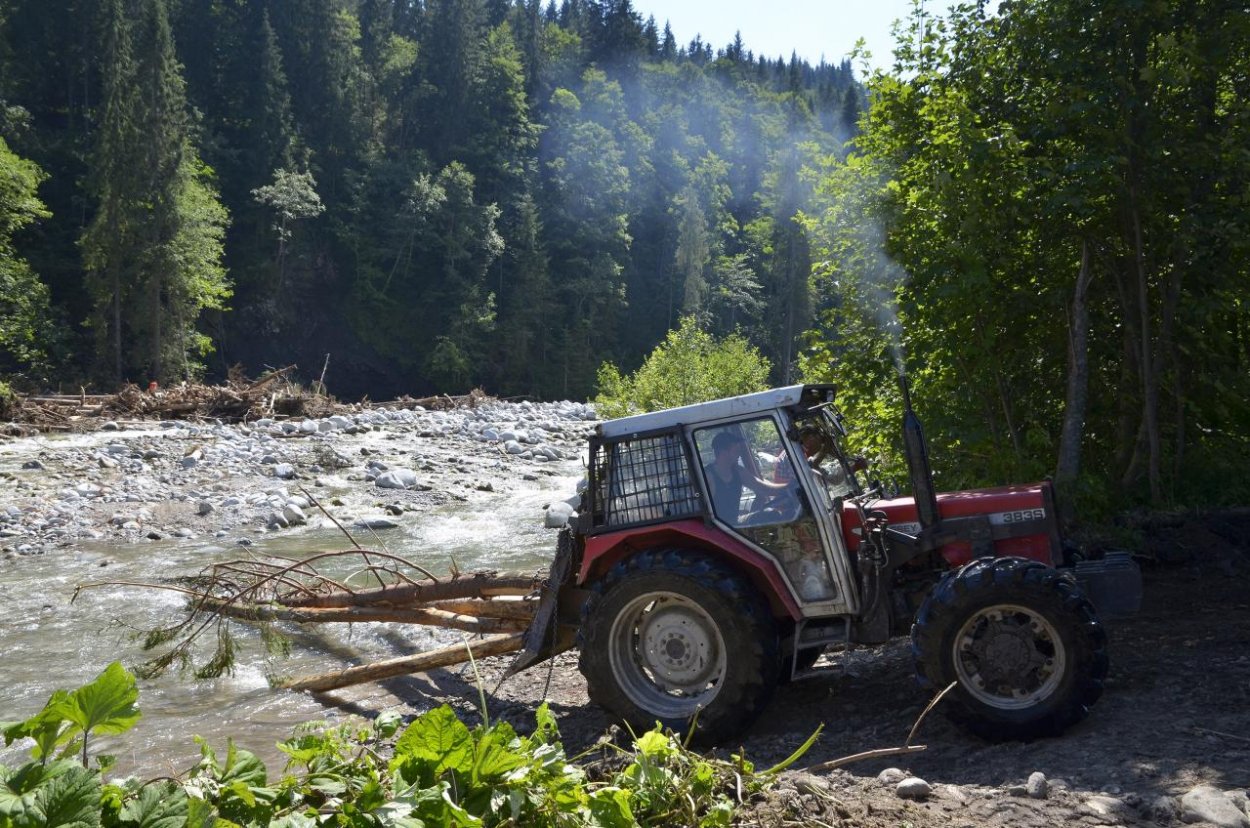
(438, 194)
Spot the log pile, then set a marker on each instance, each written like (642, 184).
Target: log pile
(377, 587)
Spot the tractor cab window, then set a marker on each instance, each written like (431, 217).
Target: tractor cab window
(742, 465)
(821, 440)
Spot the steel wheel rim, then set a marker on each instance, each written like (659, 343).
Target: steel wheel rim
(668, 654)
(1009, 657)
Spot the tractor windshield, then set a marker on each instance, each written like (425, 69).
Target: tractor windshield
(820, 434)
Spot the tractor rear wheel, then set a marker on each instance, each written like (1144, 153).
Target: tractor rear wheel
(677, 637)
(1022, 643)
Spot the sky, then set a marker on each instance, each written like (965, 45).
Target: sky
(777, 27)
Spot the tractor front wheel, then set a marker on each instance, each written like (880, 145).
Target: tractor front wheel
(1021, 642)
(679, 638)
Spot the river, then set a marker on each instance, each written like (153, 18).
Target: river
(51, 641)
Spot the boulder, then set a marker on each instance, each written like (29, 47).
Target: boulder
(396, 479)
(557, 515)
(1206, 803)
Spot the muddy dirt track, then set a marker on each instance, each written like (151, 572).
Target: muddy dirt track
(1175, 715)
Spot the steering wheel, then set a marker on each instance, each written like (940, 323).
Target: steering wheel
(785, 505)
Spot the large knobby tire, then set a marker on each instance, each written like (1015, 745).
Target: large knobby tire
(676, 636)
(1021, 641)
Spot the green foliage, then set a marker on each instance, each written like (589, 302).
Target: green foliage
(441, 772)
(25, 325)
(1002, 151)
(105, 705)
(690, 366)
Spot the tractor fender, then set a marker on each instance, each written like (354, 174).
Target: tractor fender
(603, 551)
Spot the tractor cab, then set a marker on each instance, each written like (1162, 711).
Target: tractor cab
(762, 474)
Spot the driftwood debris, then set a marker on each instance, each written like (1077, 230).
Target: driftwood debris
(276, 394)
(353, 586)
(239, 399)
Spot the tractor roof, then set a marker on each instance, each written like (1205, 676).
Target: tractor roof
(716, 410)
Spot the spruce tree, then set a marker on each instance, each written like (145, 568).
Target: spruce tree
(109, 244)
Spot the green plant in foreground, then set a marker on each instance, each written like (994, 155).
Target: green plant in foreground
(440, 772)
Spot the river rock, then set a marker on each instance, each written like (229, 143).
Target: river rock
(375, 523)
(513, 447)
(1104, 806)
(1037, 787)
(284, 471)
(396, 479)
(1163, 809)
(294, 515)
(557, 515)
(913, 787)
(203, 508)
(1206, 803)
(891, 776)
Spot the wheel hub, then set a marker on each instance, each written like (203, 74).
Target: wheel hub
(676, 646)
(668, 654)
(1009, 656)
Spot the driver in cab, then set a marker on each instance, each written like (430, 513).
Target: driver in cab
(729, 473)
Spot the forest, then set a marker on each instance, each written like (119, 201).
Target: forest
(438, 195)
(1038, 211)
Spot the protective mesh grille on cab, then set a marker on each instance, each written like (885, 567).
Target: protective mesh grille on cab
(646, 479)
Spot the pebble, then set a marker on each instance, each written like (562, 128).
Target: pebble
(284, 471)
(913, 787)
(1037, 786)
(1207, 803)
(891, 776)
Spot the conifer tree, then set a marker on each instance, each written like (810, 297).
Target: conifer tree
(109, 243)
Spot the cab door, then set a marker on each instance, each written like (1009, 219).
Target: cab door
(763, 491)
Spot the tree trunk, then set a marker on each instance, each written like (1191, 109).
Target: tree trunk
(442, 657)
(117, 324)
(1068, 465)
(1150, 383)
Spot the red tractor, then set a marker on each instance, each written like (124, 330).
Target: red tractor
(720, 547)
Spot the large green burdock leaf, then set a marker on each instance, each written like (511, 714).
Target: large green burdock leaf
(158, 806)
(106, 705)
(59, 795)
(47, 727)
(438, 740)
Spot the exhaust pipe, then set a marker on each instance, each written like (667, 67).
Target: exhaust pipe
(918, 467)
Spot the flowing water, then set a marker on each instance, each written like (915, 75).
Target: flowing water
(49, 642)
